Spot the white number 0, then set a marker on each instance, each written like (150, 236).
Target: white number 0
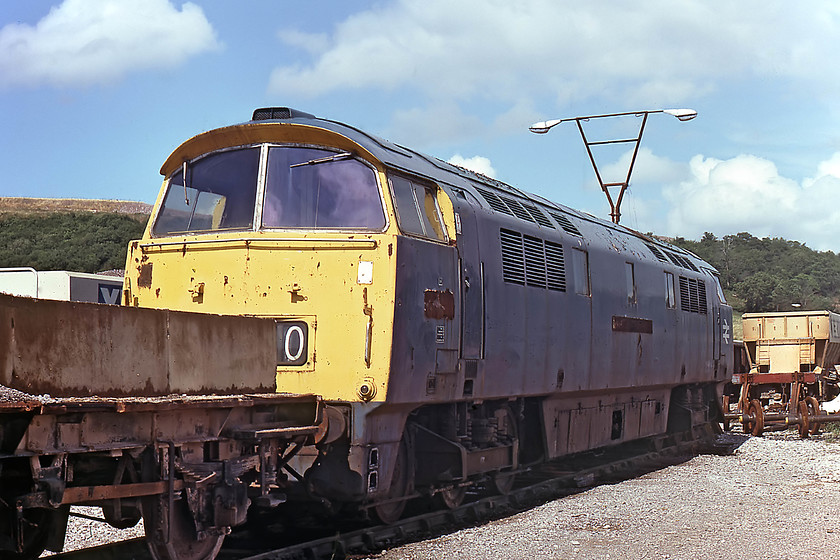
(287, 343)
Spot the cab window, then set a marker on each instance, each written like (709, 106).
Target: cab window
(317, 188)
(417, 208)
(219, 193)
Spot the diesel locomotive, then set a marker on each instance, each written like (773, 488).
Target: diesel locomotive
(458, 329)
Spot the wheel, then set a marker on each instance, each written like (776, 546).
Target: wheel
(813, 410)
(128, 516)
(183, 542)
(452, 496)
(37, 526)
(401, 486)
(803, 419)
(725, 410)
(754, 420)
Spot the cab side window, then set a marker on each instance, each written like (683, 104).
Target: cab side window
(417, 209)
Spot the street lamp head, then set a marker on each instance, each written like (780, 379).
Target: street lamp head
(544, 126)
(681, 114)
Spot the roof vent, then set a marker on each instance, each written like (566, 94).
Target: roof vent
(275, 113)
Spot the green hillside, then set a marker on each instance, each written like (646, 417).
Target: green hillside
(770, 274)
(77, 235)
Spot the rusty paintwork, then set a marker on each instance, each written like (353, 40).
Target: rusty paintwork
(439, 304)
(79, 349)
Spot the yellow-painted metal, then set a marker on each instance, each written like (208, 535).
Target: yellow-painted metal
(798, 341)
(340, 283)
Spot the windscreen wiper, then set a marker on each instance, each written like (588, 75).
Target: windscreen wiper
(336, 157)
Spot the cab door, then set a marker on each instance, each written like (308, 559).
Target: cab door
(471, 282)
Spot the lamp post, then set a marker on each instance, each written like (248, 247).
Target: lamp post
(615, 205)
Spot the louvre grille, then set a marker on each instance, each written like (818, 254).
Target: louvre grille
(517, 209)
(656, 252)
(512, 207)
(566, 224)
(531, 261)
(555, 266)
(494, 201)
(681, 261)
(539, 216)
(534, 262)
(513, 259)
(693, 295)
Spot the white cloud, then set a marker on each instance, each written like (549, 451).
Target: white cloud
(422, 127)
(479, 164)
(747, 193)
(84, 42)
(570, 50)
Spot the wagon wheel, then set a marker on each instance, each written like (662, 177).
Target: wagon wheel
(401, 486)
(803, 419)
(754, 418)
(452, 497)
(184, 543)
(813, 410)
(37, 528)
(725, 410)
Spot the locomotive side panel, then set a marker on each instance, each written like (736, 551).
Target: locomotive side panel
(424, 362)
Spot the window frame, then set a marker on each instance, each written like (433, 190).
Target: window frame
(670, 291)
(263, 188)
(580, 263)
(170, 187)
(630, 281)
(430, 187)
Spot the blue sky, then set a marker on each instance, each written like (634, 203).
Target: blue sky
(94, 95)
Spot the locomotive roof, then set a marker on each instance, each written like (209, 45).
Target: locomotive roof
(446, 174)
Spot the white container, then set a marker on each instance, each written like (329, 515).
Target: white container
(61, 285)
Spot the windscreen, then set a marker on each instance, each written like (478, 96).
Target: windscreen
(317, 188)
(219, 193)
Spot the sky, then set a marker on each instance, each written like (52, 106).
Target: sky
(95, 94)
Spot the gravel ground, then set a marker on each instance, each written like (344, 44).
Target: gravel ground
(777, 497)
(83, 533)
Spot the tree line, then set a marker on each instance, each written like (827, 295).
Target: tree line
(770, 274)
(81, 242)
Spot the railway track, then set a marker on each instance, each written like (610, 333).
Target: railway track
(534, 487)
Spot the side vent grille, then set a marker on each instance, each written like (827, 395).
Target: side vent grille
(680, 260)
(555, 266)
(513, 257)
(566, 224)
(534, 261)
(539, 216)
(518, 210)
(693, 295)
(531, 261)
(494, 201)
(512, 207)
(656, 252)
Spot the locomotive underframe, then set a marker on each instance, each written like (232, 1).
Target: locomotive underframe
(440, 450)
